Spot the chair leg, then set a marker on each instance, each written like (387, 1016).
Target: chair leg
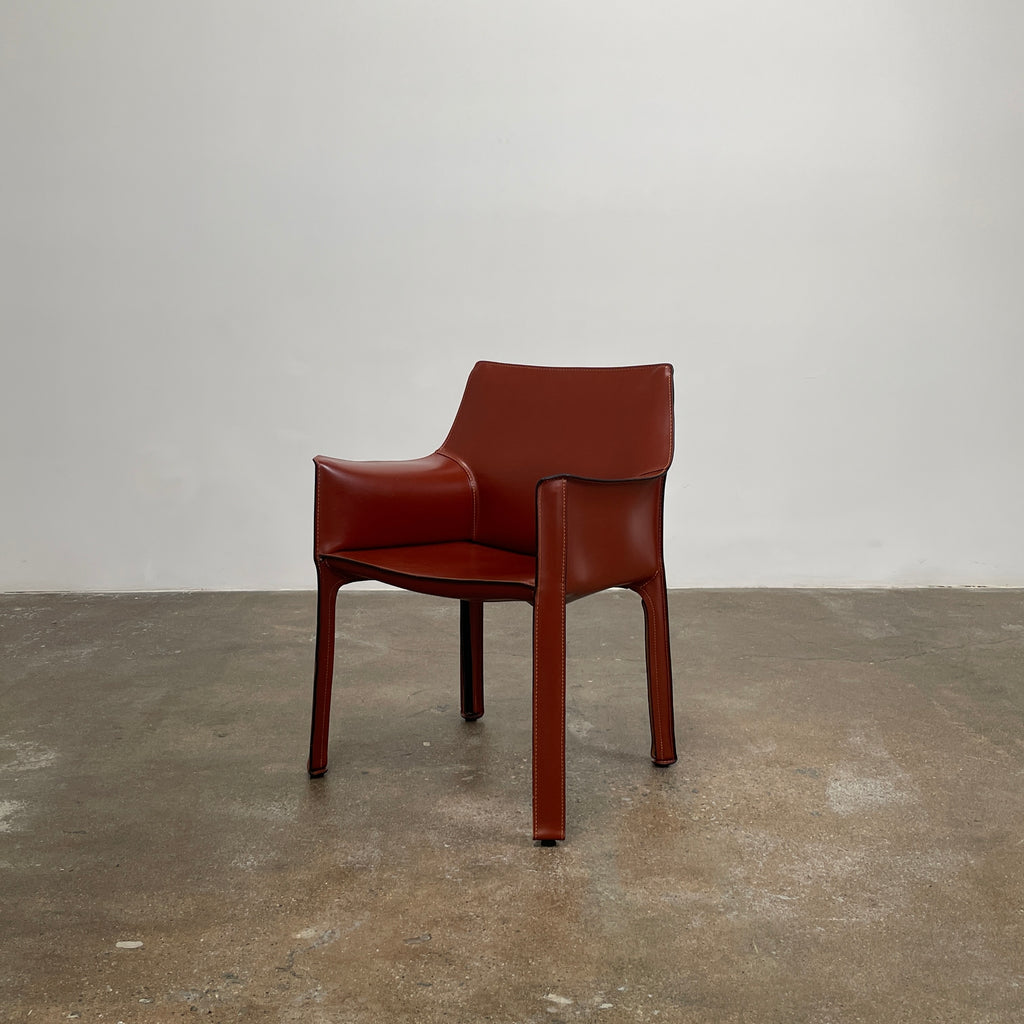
(549, 718)
(471, 658)
(659, 670)
(329, 582)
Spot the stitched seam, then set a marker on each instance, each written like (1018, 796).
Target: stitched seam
(316, 515)
(577, 369)
(561, 689)
(332, 596)
(536, 680)
(472, 487)
(671, 422)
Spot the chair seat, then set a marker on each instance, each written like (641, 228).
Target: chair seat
(450, 569)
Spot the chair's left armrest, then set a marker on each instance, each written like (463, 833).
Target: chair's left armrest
(384, 504)
(599, 533)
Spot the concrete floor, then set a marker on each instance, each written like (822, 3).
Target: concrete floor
(840, 841)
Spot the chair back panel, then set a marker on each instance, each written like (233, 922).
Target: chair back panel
(519, 424)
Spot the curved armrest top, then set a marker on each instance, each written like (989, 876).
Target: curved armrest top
(390, 504)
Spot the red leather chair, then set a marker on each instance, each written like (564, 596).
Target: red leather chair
(549, 487)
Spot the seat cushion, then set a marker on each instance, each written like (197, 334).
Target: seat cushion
(452, 569)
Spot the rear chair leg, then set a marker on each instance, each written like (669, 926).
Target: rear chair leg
(328, 583)
(659, 670)
(471, 658)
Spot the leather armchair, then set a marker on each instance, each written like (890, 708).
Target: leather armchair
(549, 487)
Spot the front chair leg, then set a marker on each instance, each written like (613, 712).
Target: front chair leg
(471, 658)
(549, 718)
(329, 581)
(659, 670)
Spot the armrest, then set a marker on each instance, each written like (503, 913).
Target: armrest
(390, 504)
(596, 534)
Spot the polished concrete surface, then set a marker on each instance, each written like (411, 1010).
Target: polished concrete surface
(842, 839)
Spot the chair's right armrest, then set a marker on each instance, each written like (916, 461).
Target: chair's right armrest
(390, 504)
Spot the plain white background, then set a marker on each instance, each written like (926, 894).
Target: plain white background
(236, 233)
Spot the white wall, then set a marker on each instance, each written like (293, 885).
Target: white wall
(234, 233)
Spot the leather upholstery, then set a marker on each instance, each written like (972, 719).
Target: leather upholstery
(549, 487)
(519, 424)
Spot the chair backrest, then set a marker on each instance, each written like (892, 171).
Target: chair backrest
(519, 424)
